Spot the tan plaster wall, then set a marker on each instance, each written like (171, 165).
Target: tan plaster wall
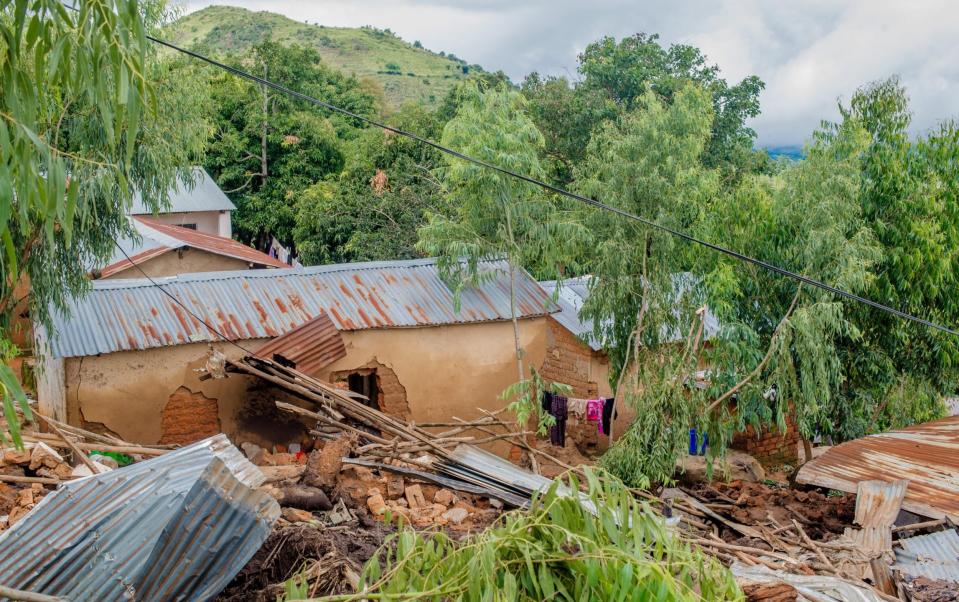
(446, 371)
(127, 391)
(182, 261)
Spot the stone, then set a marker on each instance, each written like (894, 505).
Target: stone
(13, 457)
(738, 465)
(376, 504)
(82, 470)
(399, 511)
(283, 459)
(25, 497)
(395, 486)
(323, 466)
(250, 449)
(62, 471)
(107, 461)
(414, 495)
(495, 503)
(445, 497)
(44, 455)
(455, 515)
(295, 515)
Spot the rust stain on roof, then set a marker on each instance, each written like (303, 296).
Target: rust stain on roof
(264, 303)
(927, 455)
(312, 346)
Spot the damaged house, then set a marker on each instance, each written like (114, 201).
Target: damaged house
(128, 358)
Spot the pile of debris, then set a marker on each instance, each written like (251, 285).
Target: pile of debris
(788, 544)
(47, 460)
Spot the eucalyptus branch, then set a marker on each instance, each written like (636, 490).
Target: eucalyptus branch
(762, 364)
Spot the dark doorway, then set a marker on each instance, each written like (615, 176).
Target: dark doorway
(364, 383)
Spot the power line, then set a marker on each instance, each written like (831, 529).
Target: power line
(557, 190)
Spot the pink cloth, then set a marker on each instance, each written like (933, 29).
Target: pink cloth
(594, 410)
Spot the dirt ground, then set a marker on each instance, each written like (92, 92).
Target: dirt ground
(295, 547)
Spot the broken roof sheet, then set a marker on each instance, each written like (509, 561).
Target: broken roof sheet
(311, 346)
(176, 527)
(157, 238)
(927, 455)
(203, 195)
(935, 555)
(122, 315)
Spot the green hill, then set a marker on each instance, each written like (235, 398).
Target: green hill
(406, 72)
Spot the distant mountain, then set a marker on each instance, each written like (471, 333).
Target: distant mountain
(407, 72)
(793, 152)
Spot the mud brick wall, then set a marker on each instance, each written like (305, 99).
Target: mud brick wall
(568, 361)
(571, 362)
(771, 447)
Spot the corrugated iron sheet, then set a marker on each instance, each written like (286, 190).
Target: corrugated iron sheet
(927, 455)
(311, 346)
(877, 506)
(121, 315)
(212, 243)
(203, 195)
(176, 527)
(935, 556)
(572, 293)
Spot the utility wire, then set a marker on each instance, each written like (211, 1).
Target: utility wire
(557, 190)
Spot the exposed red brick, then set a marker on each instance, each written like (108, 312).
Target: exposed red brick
(189, 417)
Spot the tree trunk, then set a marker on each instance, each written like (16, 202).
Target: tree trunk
(264, 172)
(512, 311)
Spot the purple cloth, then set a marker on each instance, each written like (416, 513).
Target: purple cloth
(557, 432)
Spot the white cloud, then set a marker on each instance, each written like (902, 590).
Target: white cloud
(809, 52)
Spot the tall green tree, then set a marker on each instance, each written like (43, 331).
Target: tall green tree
(777, 348)
(269, 148)
(373, 208)
(87, 114)
(492, 215)
(910, 200)
(615, 78)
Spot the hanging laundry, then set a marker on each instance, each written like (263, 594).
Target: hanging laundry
(609, 409)
(547, 402)
(576, 407)
(594, 410)
(557, 432)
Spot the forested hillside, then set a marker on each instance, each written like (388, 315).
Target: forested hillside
(405, 70)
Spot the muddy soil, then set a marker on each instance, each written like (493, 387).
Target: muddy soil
(822, 516)
(292, 547)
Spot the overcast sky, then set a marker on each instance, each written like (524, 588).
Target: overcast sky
(809, 52)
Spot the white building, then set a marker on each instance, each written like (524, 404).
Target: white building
(204, 207)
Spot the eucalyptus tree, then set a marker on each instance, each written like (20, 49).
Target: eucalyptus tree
(492, 215)
(87, 115)
(776, 349)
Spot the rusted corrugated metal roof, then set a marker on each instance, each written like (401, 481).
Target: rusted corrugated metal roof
(121, 315)
(219, 245)
(157, 238)
(312, 346)
(927, 455)
(176, 527)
